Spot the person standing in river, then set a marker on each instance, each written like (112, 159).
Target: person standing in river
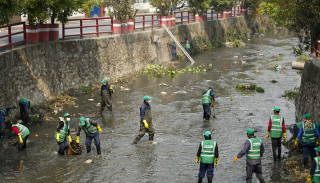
(173, 50)
(277, 130)
(308, 132)
(209, 156)
(146, 124)
(106, 95)
(62, 131)
(314, 175)
(4, 112)
(23, 134)
(254, 149)
(187, 45)
(207, 103)
(92, 130)
(24, 105)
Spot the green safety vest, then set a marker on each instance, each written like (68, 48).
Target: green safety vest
(24, 100)
(316, 176)
(207, 151)
(276, 128)
(255, 147)
(89, 128)
(299, 124)
(188, 46)
(206, 99)
(63, 131)
(308, 136)
(24, 131)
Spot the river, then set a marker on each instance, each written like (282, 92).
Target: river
(177, 121)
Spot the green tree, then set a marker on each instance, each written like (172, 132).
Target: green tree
(8, 9)
(300, 16)
(221, 5)
(120, 9)
(165, 7)
(200, 5)
(36, 10)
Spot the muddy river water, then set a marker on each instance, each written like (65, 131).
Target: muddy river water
(178, 123)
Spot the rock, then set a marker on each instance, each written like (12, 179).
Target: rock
(125, 89)
(261, 54)
(111, 131)
(91, 99)
(243, 62)
(193, 89)
(123, 119)
(235, 56)
(163, 84)
(163, 93)
(76, 106)
(88, 161)
(248, 39)
(119, 102)
(244, 56)
(180, 92)
(274, 81)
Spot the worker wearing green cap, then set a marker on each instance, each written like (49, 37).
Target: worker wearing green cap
(173, 50)
(92, 130)
(314, 175)
(209, 156)
(146, 124)
(277, 130)
(309, 134)
(298, 125)
(254, 149)
(106, 95)
(63, 130)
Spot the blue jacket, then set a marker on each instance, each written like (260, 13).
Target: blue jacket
(5, 111)
(143, 108)
(301, 132)
(106, 87)
(211, 93)
(173, 47)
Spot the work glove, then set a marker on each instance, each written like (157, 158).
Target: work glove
(212, 105)
(21, 141)
(100, 131)
(78, 139)
(309, 178)
(217, 162)
(111, 88)
(318, 142)
(70, 139)
(268, 133)
(197, 159)
(296, 142)
(235, 159)
(58, 137)
(145, 124)
(284, 136)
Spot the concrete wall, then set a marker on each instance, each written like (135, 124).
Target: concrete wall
(43, 70)
(309, 98)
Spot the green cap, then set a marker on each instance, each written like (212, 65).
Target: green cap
(147, 98)
(66, 115)
(82, 121)
(276, 108)
(317, 149)
(207, 133)
(250, 131)
(307, 116)
(104, 80)
(173, 42)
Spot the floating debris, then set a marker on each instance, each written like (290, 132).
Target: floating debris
(274, 81)
(36, 135)
(244, 56)
(89, 161)
(235, 56)
(124, 89)
(163, 84)
(180, 92)
(119, 102)
(163, 93)
(123, 118)
(231, 99)
(250, 87)
(261, 54)
(91, 99)
(291, 94)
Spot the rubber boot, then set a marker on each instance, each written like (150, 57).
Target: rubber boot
(305, 162)
(150, 138)
(98, 150)
(249, 180)
(261, 179)
(209, 179)
(199, 180)
(279, 152)
(88, 149)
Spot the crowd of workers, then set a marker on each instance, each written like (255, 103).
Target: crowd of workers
(305, 132)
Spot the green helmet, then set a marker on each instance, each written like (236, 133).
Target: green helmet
(173, 42)
(104, 80)
(66, 115)
(207, 133)
(147, 98)
(82, 121)
(250, 131)
(307, 116)
(276, 108)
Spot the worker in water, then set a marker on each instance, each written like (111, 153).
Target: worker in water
(23, 134)
(106, 95)
(24, 105)
(209, 156)
(277, 130)
(173, 50)
(187, 45)
(254, 149)
(207, 103)
(298, 125)
(4, 112)
(145, 120)
(308, 133)
(314, 175)
(92, 130)
(63, 130)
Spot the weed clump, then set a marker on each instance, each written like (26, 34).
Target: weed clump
(200, 44)
(250, 87)
(291, 94)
